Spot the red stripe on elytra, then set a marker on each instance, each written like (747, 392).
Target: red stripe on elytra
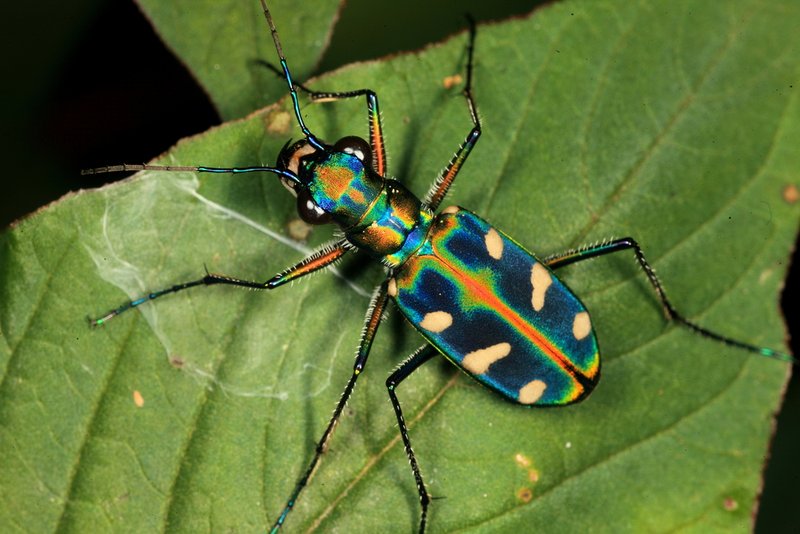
(480, 293)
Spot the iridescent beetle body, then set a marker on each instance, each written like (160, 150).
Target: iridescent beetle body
(476, 296)
(487, 304)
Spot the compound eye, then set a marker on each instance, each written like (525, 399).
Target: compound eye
(309, 210)
(355, 146)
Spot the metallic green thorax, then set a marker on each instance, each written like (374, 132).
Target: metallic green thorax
(378, 215)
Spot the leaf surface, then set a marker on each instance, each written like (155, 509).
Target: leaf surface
(221, 42)
(676, 125)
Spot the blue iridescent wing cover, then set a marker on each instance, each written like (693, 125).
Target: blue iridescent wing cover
(493, 309)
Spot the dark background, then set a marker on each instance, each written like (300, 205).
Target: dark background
(80, 93)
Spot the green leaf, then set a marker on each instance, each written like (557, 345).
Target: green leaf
(674, 123)
(221, 42)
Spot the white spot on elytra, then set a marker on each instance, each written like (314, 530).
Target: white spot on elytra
(437, 321)
(532, 391)
(581, 325)
(494, 244)
(540, 280)
(478, 361)
(450, 209)
(392, 287)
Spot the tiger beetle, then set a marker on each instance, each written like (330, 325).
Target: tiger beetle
(478, 298)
